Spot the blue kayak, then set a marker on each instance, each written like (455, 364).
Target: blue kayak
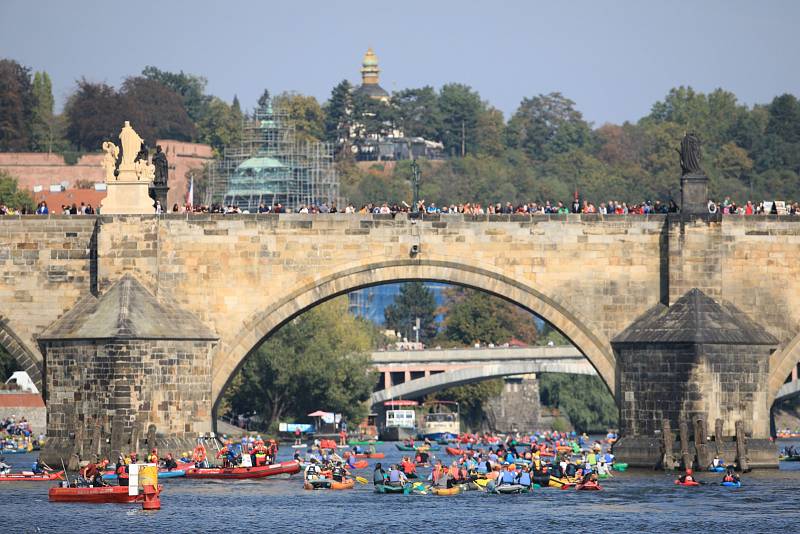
(731, 484)
(719, 469)
(175, 473)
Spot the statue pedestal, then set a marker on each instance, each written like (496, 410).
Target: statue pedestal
(694, 194)
(159, 192)
(127, 195)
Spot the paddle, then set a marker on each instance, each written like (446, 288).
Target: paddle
(362, 480)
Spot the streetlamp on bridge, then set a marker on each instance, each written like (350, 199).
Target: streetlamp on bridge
(415, 186)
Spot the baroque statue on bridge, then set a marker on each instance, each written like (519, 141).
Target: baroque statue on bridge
(161, 166)
(690, 154)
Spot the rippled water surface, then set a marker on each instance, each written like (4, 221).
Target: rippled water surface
(635, 501)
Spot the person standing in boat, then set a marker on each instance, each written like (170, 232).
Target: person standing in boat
(122, 472)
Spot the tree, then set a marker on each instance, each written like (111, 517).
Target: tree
(319, 360)
(191, 89)
(44, 125)
(95, 112)
(339, 117)
(417, 112)
(460, 108)
(12, 197)
(16, 106)
(305, 114)
(414, 301)
(476, 317)
(156, 111)
(585, 399)
(372, 118)
(546, 125)
(221, 126)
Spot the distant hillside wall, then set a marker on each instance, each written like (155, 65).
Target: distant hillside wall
(33, 168)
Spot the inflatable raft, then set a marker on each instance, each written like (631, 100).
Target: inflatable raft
(240, 473)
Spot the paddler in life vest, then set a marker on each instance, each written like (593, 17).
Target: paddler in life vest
(379, 475)
(272, 451)
(259, 454)
(153, 456)
(40, 467)
(339, 472)
(730, 475)
(438, 475)
(408, 467)
(687, 476)
(524, 477)
(508, 476)
(716, 462)
(122, 472)
(226, 453)
(312, 472)
(351, 459)
(199, 455)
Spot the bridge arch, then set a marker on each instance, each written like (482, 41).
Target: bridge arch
(589, 340)
(25, 358)
(780, 366)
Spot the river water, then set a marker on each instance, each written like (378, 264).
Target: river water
(637, 501)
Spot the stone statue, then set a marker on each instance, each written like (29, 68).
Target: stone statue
(161, 165)
(690, 154)
(109, 163)
(131, 144)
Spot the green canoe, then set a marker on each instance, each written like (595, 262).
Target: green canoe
(408, 448)
(384, 488)
(619, 466)
(364, 442)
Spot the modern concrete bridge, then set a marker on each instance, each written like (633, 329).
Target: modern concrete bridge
(414, 374)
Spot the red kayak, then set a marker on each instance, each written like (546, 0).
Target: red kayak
(589, 486)
(453, 451)
(375, 455)
(238, 473)
(105, 494)
(361, 464)
(688, 483)
(30, 477)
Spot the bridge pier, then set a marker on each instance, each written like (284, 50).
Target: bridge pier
(122, 367)
(517, 408)
(695, 360)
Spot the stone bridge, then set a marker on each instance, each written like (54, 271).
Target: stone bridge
(414, 374)
(143, 320)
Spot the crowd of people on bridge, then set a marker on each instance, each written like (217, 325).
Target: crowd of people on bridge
(727, 206)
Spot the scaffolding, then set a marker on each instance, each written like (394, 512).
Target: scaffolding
(271, 166)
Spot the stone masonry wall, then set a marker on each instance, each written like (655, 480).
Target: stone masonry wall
(517, 408)
(116, 390)
(685, 381)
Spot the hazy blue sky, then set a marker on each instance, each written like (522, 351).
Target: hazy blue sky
(613, 58)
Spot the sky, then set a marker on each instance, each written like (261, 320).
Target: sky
(613, 58)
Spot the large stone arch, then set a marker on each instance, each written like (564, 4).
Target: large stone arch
(28, 361)
(780, 365)
(589, 340)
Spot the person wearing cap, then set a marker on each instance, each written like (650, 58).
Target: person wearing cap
(687, 477)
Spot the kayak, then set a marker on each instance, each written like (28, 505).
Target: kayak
(562, 483)
(688, 483)
(319, 483)
(29, 476)
(301, 446)
(344, 485)
(409, 448)
(589, 486)
(23, 450)
(789, 458)
(385, 488)
(619, 466)
(510, 489)
(361, 464)
(731, 484)
(453, 451)
(239, 473)
(718, 469)
(455, 490)
(363, 442)
(605, 476)
(105, 494)
(162, 473)
(374, 455)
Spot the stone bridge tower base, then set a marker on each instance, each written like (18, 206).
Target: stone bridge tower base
(695, 360)
(517, 408)
(125, 373)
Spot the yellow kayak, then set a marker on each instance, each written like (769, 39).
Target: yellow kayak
(455, 490)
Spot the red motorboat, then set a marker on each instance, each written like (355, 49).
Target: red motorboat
(104, 494)
(239, 473)
(31, 477)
